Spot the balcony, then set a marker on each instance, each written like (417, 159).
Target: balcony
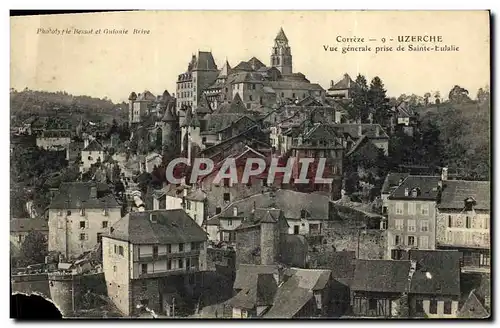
(168, 256)
(166, 273)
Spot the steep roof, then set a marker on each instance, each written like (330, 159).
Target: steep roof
(224, 72)
(236, 106)
(243, 66)
(456, 191)
(246, 275)
(345, 83)
(473, 308)
(340, 263)
(294, 85)
(427, 187)
(94, 145)
(388, 276)
(26, 225)
(171, 227)
(296, 291)
(204, 62)
(169, 116)
(372, 131)
(444, 268)
(281, 35)
(255, 64)
(260, 294)
(146, 96)
(73, 195)
(392, 181)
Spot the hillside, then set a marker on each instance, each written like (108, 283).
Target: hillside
(464, 135)
(26, 103)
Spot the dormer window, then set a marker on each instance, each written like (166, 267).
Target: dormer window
(469, 203)
(153, 218)
(105, 212)
(415, 192)
(82, 212)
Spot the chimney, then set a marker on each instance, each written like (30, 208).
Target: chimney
(184, 192)
(377, 130)
(406, 192)
(93, 192)
(332, 83)
(444, 174)
(360, 130)
(235, 211)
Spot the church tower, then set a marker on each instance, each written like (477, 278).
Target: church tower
(281, 56)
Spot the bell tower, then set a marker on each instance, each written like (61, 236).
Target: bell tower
(281, 55)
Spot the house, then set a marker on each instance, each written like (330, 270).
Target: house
(79, 214)
(152, 160)
(55, 140)
(463, 222)
(429, 280)
(403, 118)
(352, 132)
(270, 291)
(342, 89)
(22, 227)
(190, 199)
(149, 256)
(391, 183)
(91, 154)
(411, 212)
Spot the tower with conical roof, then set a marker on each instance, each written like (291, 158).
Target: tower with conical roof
(281, 55)
(168, 123)
(190, 130)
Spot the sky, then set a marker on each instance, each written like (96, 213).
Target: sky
(112, 66)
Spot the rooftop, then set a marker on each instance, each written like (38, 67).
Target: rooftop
(26, 225)
(456, 191)
(74, 195)
(417, 187)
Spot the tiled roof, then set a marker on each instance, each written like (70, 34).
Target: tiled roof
(387, 276)
(56, 134)
(370, 130)
(246, 77)
(289, 201)
(444, 269)
(260, 294)
(171, 227)
(246, 275)
(146, 96)
(243, 66)
(473, 308)
(340, 263)
(169, 116)
(77, 194)
(224, 72)
(294, 85)
(427, 187)
(255, 64)
(219, 122)
(25, 225)
(456, 191)
(296, 291)
(392, 181)
(204, 62)
(94, 145)
(345, 83)
(236, 106)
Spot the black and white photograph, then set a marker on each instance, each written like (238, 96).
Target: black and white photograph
(251, 165)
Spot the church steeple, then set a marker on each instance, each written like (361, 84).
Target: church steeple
(281, 55)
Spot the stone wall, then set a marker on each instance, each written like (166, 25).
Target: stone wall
(31, 284)
(247, 241)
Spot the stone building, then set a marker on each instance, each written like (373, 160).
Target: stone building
(342, 89)
(150, 257)
(79, 214)
(92, 153)
(22, 227)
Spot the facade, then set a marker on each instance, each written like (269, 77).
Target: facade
(342, 89)
(79, 215)
(91, 154)
(412, 210)
(463, 222)
(139, 106)
(55, 140)
(191, 200)
(22, 227)
(147, 255)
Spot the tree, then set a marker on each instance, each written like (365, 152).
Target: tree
(458, 95)
(378, 101)
(437, 97)
(427, 96)
(34, 248)
(483, 95)
(358, 111)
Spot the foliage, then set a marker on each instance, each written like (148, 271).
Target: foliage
(458, 95)
(34, 248)
(378, 101)
(359, 106)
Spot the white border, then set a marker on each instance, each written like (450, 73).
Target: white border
(210, 5)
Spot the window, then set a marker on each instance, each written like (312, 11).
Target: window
(424, 225)
(181, 263)
(181, 247)
(468, 222)
(424, 242)
(195, 246)
(59, 225)
(411, 241)
(227, 197)
(447, 307)
(399, 208)
(114, 268)
(218, 210)
(412, 208)
(82, 212)
(116, 249)
(424, 208)
(229, 222)
(19, 238)
(397, 254)
(83, 236)
(82, 225)
(188, 204)
(398, 224)
(105, 212)
(484, 260)
(412, 227)
(433, 308)
(104, 224)
(144, 268)
(155, 252)
(397, 240)
(120, 250)
(188, 263)
(420, 306)
(169, 265)
(68, 213)
(450, 222)
(296, 230)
